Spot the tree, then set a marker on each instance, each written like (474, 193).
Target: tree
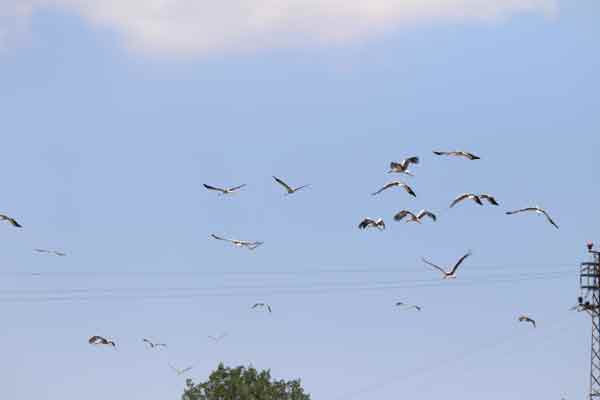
(243, 383)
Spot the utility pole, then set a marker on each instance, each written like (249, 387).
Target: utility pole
(589, 301)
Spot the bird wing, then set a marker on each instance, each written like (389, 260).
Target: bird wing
(434, 266)
(441, 153)
(11, 220)
(490, 199)
(549, 219)
(401, 214)
(410, 160)
(282, 183)
(408, 189)
(236, 187)
(521, 210)
(425, 213)
(209, 187)
(252, 245)
(60, 253)
(365, 222)
(258, 305)
(221, 238)
(460, 198)
(459, 262)
(269, 307)
(93, 339)
(387, 186)
(41, 250)
(301, 187)
(470, 156)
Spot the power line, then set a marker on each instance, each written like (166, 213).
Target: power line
(308, 271)
(319, 283)
(120, 294)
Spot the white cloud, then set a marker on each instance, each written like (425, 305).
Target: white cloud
(205, 26)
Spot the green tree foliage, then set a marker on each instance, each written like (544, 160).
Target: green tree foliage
(243, 383)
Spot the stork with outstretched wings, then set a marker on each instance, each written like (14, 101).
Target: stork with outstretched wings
(180, 371)
(218, 337)
(99, 340)
(289, 189)
(408, 306)
(262, 305)
(153, 345)
(53, 252)
(525, 318)
(477, 198)
(372, 223)
(238, 243)
(403, 185)
(469, 156)
(223, 191)
(450, 274)
(402, 166)
(537, 210)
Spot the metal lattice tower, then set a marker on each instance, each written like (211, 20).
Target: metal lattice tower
(589, 301)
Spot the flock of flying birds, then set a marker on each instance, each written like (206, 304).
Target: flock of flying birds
(402, 167)
(102, 341)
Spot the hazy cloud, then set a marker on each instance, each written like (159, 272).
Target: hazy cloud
(205, 26)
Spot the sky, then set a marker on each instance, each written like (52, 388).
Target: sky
(115, 113)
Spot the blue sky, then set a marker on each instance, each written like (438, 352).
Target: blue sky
(110, 131)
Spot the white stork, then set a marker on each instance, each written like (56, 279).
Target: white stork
(239, 243)
(394, 184)
(464, 154)
(224, 191)
(262, 305)
(476, 198)
(451, 274)
(99, 340)
(180, 371)
(525, 318)
(536, 209)
(372, 223)
(54, 252)
(402, 166)
(289, 189)
(408, 306)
